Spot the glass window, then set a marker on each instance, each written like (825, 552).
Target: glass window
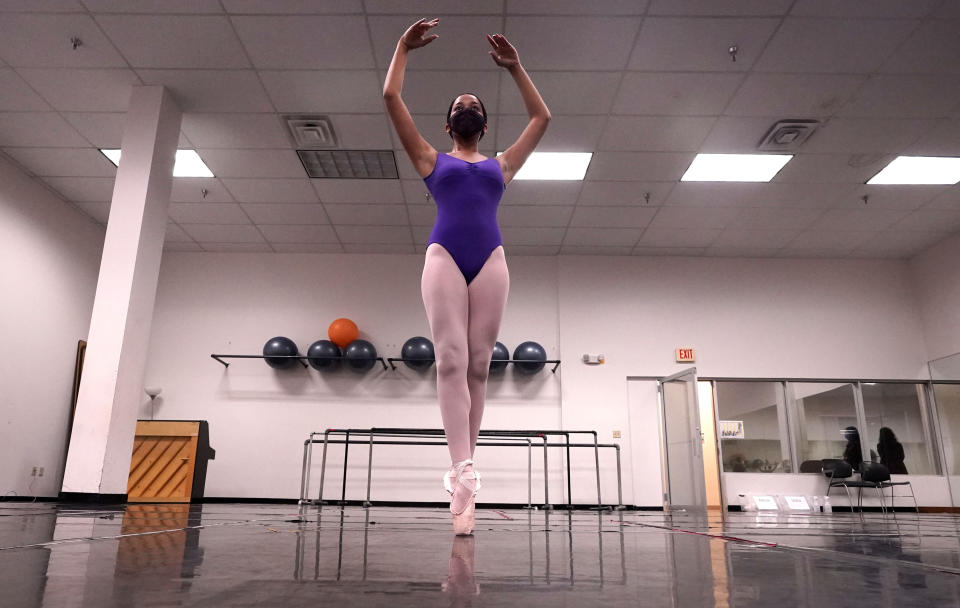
(826, 424)
(753, 432)
(897, 427)
(948, 408)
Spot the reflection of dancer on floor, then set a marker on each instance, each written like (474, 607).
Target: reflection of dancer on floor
(461, 583)
(465, 279)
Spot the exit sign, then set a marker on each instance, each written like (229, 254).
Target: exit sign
(686, 355)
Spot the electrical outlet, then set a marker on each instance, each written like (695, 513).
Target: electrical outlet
(33, 473)
(616, 434)
(41, 472)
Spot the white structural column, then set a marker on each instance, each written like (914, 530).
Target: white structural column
(111, 388)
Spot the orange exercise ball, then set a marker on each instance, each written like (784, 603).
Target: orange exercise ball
(342, 332)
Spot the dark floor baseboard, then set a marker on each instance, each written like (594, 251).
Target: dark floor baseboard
(411, 504)
(88, 498)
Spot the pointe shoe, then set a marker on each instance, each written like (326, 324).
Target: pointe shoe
(464, 523)
(462, 508)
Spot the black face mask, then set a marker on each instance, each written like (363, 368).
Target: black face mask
(467, 123)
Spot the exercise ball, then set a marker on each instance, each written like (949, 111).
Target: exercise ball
(277, 348)
(529, 357)
(500, 357)
(342, 332)
(360, 355)
(323, 355)
(418, 353)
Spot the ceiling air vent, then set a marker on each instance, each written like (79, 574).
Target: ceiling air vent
(311, 131)
(788, 135)
(349, 164)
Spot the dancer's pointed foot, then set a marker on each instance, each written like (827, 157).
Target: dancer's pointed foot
(465, 483)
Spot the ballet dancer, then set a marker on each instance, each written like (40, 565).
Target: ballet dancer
(465, 278)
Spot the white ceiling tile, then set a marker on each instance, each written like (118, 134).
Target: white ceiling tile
(98, 211)
(304, 233)
(755, 238)
(102, 129)
(16, 95)
(185, 246)
(740, 251)
(897, 244)
(308, 247)
(292, 7)
(596, 250)
(563, 92)
(306, 42)
(870, 135)
(39, 129)
(33, 40)
(358, 190)
(764, 195)
(947, 10)
(734, 134)
(236, 247)
(432, 91)
(195, 41)
(775, 219)
(719, 7)
(362, 131)
(207, 213)
(541, 192)
(214, 233)
(462, 44)
(368, 215)
(903, 198)
(531, 236)
(252, 163)
(212, 90)
(175, 234)
(905, 96)
(624, 193)
(699, 44)
(595, 216)
(153, 6)
(424, 215)
(836, 241)
(235, 130)
(949, 200)
(675, 94)
(96, 189)
(607, 237)
(41, 6)
(191, 190)
(570, 43)
(576, 7)
(271, 190)
(63, 162)
(793, 95)
(81, 90)
(930, 220)
(326, 91)
(856, 9)
(942, 140)
(833, 45)
(668, 251)
(870, 220)
(825, 168)
(429, 8)
(565, 133)
(714, 195)
(655, 134)
(638, 166)
(286, 213)
(421, 234)
(378, 248)
(812, 253)
(689, 218)
(375, 234)
(532, 250)
(415, 192)
(534, 215)
(678, 237)
(925, 50)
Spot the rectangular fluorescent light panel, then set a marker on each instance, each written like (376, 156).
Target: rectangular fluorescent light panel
(913, 170)
(187, 164)
(555, 165)
(735, 167)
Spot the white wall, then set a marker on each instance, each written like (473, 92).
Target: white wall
(936, 281)
(48, 269)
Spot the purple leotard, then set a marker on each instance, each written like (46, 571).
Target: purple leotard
(467, 196)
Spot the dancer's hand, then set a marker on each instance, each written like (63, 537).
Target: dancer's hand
(413, 37)
(503, 52)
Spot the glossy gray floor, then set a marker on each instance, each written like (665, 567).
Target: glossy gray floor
(276, 555)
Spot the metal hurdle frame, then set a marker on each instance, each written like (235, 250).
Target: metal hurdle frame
(518, 435)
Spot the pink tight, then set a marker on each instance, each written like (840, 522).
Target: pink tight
(464, 320)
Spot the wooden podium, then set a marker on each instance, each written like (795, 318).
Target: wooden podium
(169, 461)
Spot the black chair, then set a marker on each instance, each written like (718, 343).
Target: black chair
(811, 466)
(878, 476)
(838, 473)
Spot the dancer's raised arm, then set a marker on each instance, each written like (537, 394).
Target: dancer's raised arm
(421, 153)
(513, 157)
